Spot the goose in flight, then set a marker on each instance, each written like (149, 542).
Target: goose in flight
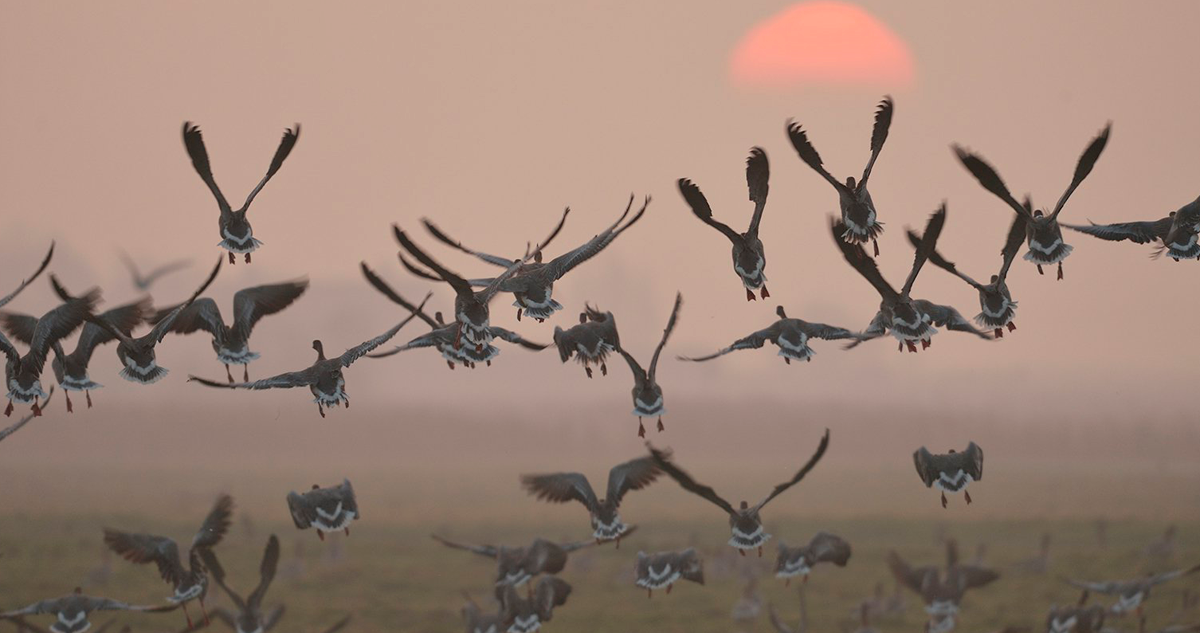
(860, 222)
(471, 312)
(1178, 234)
(745, 522)
(250, 617)
(634, 474)
(749, 260)
(442, 336)
(323, 378)
(941, 591)
(143, 282)
(479, 622)
(664, 569)
(232, 342)
(526, 614)
(997, 308)
(22, 373)
(908, 320)
(533, 285)
(325, 509)
(791, 336)
(1042, 230)
(950, 472)
(647, 394)
(799, 561)
(590, 342)
(515, 566)
(71, 611)
(71, 370)
(137, 355)
(1132, 594)
(189, 582)
(237, 237)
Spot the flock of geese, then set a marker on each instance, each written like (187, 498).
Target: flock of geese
(470, 339)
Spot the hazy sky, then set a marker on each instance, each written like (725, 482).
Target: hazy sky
(490, 118)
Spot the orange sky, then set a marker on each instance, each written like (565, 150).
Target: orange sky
(491, 118)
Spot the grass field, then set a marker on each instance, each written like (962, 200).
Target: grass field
(394, 578)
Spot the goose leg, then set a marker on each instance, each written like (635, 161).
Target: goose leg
(750, 295)
(742, 552)
(451, 364)
(489, 362)
(603, 369)
(1011, 326)
(765, 294)
(943, 498)
(205, 612)
(519, 311)
(458, 339)
(1060, 275)
(588, 370)
(320, 409)
(618, 539)
(925, 342)
(8, 409)
(228, 374)
(245, 373)
(876, 243)
(88, 395)
(247, 258)
(1039, 266)
(641, 428)
(185, 611)
(900, 347)
(967, 496)
(231, 261)
(539, 320)
(320, 535)
(912, 347)
(70, 409)
(999, 332)
(787, 361)
(669, 588)
(649, 593)
(661, 428)
(347, 531)
(37, 410)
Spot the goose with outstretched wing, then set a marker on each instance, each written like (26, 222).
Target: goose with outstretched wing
(744, 522)
(997, 307)
(623, 478)
(324, 509)
(237, 236)
(664, 569)
(590, 342)
(647, 394)
(533, 285)
(323, 378)
(442, 336)
(250, 617)
(1042, 231)
(515, 566)
(749, 259)
(950, 472)
(231, 342)
(791, 336)
(1178, 234)
(23, 372)
(72, 610)
(860, 222)
(189, 581)
(823, 547)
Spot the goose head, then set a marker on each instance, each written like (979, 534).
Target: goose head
(316, 345)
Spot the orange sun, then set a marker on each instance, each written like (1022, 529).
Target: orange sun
(821, 43)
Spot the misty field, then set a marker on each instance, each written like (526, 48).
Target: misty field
(394, 578)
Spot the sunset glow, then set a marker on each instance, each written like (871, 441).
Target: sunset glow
(821, 43)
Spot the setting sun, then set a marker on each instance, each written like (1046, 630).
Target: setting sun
(821, 43)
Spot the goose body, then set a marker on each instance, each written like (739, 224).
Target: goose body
(1043, 233)
(1131, 594)
(791, 336)
(664, 569)
(590, 342)
(516, 566)
(532, 286)
(190, 581)
(745, 523)
(22, 372)
(527, 614)
(646, 392)
(799, 561)
(237, 236)
(950, 472)
(749, 258)
(859, 220)
(324, 509)
(71, 611)
(623, 478)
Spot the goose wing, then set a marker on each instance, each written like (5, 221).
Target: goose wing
(666, 335)
(700, 208)
(758, 176)
(933, 230)
(812, 462)
(193, 141)
(561, 488)
(266, 573)
(879, 134)
(215, 525)
(753, 341)
(990, 180)
(147, 548)
(564, 263)
(290, 136)
(809, 155)
(483, 550)
(1084, 167)
(634, 474)
(358, 351)
(25, 283)
(663, 460)
(252, 304)
(1136, 232)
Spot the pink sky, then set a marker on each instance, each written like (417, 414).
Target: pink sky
(491, 118)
